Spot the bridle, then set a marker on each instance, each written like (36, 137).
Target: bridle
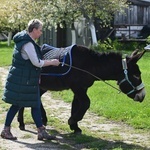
(126, 79)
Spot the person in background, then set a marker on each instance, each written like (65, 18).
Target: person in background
(22, 83)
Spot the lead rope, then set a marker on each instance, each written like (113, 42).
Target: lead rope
(119, 91)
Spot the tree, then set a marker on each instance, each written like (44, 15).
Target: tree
(105, 10)
(15, 14)
(70, 10)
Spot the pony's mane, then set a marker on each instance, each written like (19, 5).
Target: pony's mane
(107, 55)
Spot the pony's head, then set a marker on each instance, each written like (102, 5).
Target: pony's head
(130, 81)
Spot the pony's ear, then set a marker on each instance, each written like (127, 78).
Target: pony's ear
(134, 53)
(135, 56)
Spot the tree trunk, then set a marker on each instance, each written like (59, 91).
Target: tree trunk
(73, 34)
(9, 38)
(93, 33)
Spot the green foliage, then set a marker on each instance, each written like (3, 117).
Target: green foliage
(103, 46)
(115, 45)
(148, 40)
(16, 14)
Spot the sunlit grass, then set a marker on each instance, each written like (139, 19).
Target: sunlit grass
(5, 54)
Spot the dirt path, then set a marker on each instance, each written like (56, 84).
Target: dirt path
(108, 131)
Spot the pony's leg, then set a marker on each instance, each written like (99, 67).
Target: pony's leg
(44, 116)
(72, 123)
(20, 119)
(80, 104)
(43, 112)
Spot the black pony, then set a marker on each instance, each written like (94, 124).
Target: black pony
(84, 66)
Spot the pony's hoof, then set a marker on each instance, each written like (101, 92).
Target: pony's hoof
(73, 127)
(22, 127)
(78, 131)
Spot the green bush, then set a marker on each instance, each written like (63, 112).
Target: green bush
(116, 45)
(103, 46)
(148, 40)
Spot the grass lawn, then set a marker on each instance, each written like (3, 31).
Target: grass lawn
(5, 54)
(105, 101)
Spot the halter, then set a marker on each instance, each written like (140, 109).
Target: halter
(135, 88)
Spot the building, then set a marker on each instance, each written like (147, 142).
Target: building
(130, 24)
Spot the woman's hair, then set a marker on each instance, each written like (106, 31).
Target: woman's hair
(34, 23)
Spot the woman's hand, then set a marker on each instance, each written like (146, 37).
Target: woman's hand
(55, 62)
(51, 62)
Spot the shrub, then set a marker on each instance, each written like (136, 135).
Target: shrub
(115, 45)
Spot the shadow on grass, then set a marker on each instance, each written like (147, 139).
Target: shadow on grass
(72, 141)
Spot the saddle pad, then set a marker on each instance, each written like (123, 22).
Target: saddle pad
(64, 56)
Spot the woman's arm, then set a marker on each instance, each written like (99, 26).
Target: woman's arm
(28, 52)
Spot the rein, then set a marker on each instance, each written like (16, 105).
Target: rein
(92, 75)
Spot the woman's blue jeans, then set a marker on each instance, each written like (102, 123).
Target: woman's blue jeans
(35, 111)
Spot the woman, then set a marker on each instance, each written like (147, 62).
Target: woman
(22, 84)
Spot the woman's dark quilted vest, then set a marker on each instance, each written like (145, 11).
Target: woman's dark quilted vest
(22, 84)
